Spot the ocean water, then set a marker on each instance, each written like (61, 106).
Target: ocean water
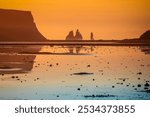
(74, 72)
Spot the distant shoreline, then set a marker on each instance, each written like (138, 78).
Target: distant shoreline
(84, 43)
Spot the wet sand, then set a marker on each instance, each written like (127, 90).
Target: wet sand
(64, 72)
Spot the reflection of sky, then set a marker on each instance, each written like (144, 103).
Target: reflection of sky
(110, 66)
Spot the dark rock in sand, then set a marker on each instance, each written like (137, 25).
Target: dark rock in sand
(120, 83)
(139, 78)
(57, 64)
(138, 85)
(83, 73)
(13, 77)
(57, 95)
(139, 73)
(98, 96)
(146, 88)
(147, 85)
(78, 89)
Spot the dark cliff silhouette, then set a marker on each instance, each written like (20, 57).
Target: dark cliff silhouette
(145, 36)
(71, 36)
(18, 26)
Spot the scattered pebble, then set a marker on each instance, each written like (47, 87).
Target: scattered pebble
(139, 73)
(138, 85)
(147, 85)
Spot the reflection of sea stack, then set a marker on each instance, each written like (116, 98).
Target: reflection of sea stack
(78, 35)
(71, 36)
(145, 36)
(17, 26)
(92, 36)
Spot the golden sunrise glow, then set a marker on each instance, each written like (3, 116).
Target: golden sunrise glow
(108, 19)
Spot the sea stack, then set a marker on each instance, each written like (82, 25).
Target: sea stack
(18, 26)
(78, 35)
(92, 36)
(70, 36)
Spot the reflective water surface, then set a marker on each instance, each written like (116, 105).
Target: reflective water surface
(74, 72)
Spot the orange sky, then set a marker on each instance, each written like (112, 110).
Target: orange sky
(108, 19)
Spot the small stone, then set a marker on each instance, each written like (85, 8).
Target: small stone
(57, 64)
(93, 95)
(138, 85)
(145, 88)
(139, 73)
(146, 85)
(13, 77)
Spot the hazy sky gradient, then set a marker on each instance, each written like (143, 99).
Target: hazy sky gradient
(108, 19)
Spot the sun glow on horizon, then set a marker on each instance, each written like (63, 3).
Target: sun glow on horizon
(108, 19)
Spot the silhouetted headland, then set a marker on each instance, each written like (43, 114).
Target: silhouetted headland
(18, 26)
(145, 36)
